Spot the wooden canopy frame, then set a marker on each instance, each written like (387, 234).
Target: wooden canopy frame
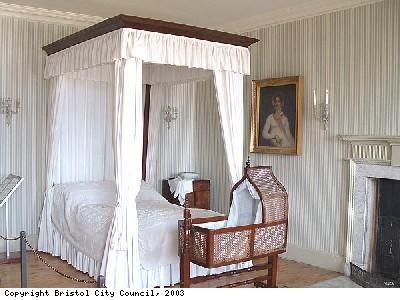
(152, 25)
(125, 21)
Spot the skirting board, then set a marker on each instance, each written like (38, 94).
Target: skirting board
(12, 259)
(315, 258)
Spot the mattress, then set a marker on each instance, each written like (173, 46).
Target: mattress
(82, 214)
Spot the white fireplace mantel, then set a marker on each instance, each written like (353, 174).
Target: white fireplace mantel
(373, 149)
(365, 152)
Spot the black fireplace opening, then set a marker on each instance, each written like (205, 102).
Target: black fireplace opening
(385, 269)
(387, 257)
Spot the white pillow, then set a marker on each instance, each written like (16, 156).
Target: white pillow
(148, 193)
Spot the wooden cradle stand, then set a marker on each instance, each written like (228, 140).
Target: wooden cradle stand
(213, 248)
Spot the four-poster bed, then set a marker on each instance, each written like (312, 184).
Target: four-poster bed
(107, 65)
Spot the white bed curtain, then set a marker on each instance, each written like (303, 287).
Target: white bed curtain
(229, 88)
(79, 140)
(57, 85)
(79, 132)
(85, 148)
(128, 138)
(127, 50)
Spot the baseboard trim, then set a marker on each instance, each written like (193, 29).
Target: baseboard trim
(315, 258)
(12, 259)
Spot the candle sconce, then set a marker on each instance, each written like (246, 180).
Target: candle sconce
(170, 114)
(9, 107)
(321, 111)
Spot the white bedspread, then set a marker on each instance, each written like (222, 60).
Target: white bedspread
(158, 231)
(82, 213)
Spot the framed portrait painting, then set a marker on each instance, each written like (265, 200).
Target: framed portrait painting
(277, 115)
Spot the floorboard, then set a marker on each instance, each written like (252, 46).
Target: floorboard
(290, 275)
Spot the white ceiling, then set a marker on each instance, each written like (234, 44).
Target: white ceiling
(229, 15)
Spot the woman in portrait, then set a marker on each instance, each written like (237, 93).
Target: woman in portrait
(276, 129)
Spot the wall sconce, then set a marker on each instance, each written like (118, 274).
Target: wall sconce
(322, 112)
(9, 107)
(170, 114)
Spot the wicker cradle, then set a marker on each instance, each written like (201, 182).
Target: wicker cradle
(212, 248)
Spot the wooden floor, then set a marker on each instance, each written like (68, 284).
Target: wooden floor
(291, 274)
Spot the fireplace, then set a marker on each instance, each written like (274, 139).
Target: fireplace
(372, 252)
(384, 270)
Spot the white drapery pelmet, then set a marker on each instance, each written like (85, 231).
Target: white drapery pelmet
(128, 51)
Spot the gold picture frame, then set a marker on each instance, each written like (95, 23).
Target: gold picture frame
(276, 123)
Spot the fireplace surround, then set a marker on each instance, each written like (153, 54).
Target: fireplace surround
(369, 159)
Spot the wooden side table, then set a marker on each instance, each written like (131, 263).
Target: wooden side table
(200, 198)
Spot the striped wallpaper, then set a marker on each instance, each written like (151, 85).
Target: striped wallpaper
(354, 53)
(176, 151)
(22, 143)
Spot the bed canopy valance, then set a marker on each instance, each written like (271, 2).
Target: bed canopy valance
(124, 53)
(181, 45)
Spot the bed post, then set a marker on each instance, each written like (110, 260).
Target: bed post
(101, 281)
(185, 255)
(145, 129)
(274, 270)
